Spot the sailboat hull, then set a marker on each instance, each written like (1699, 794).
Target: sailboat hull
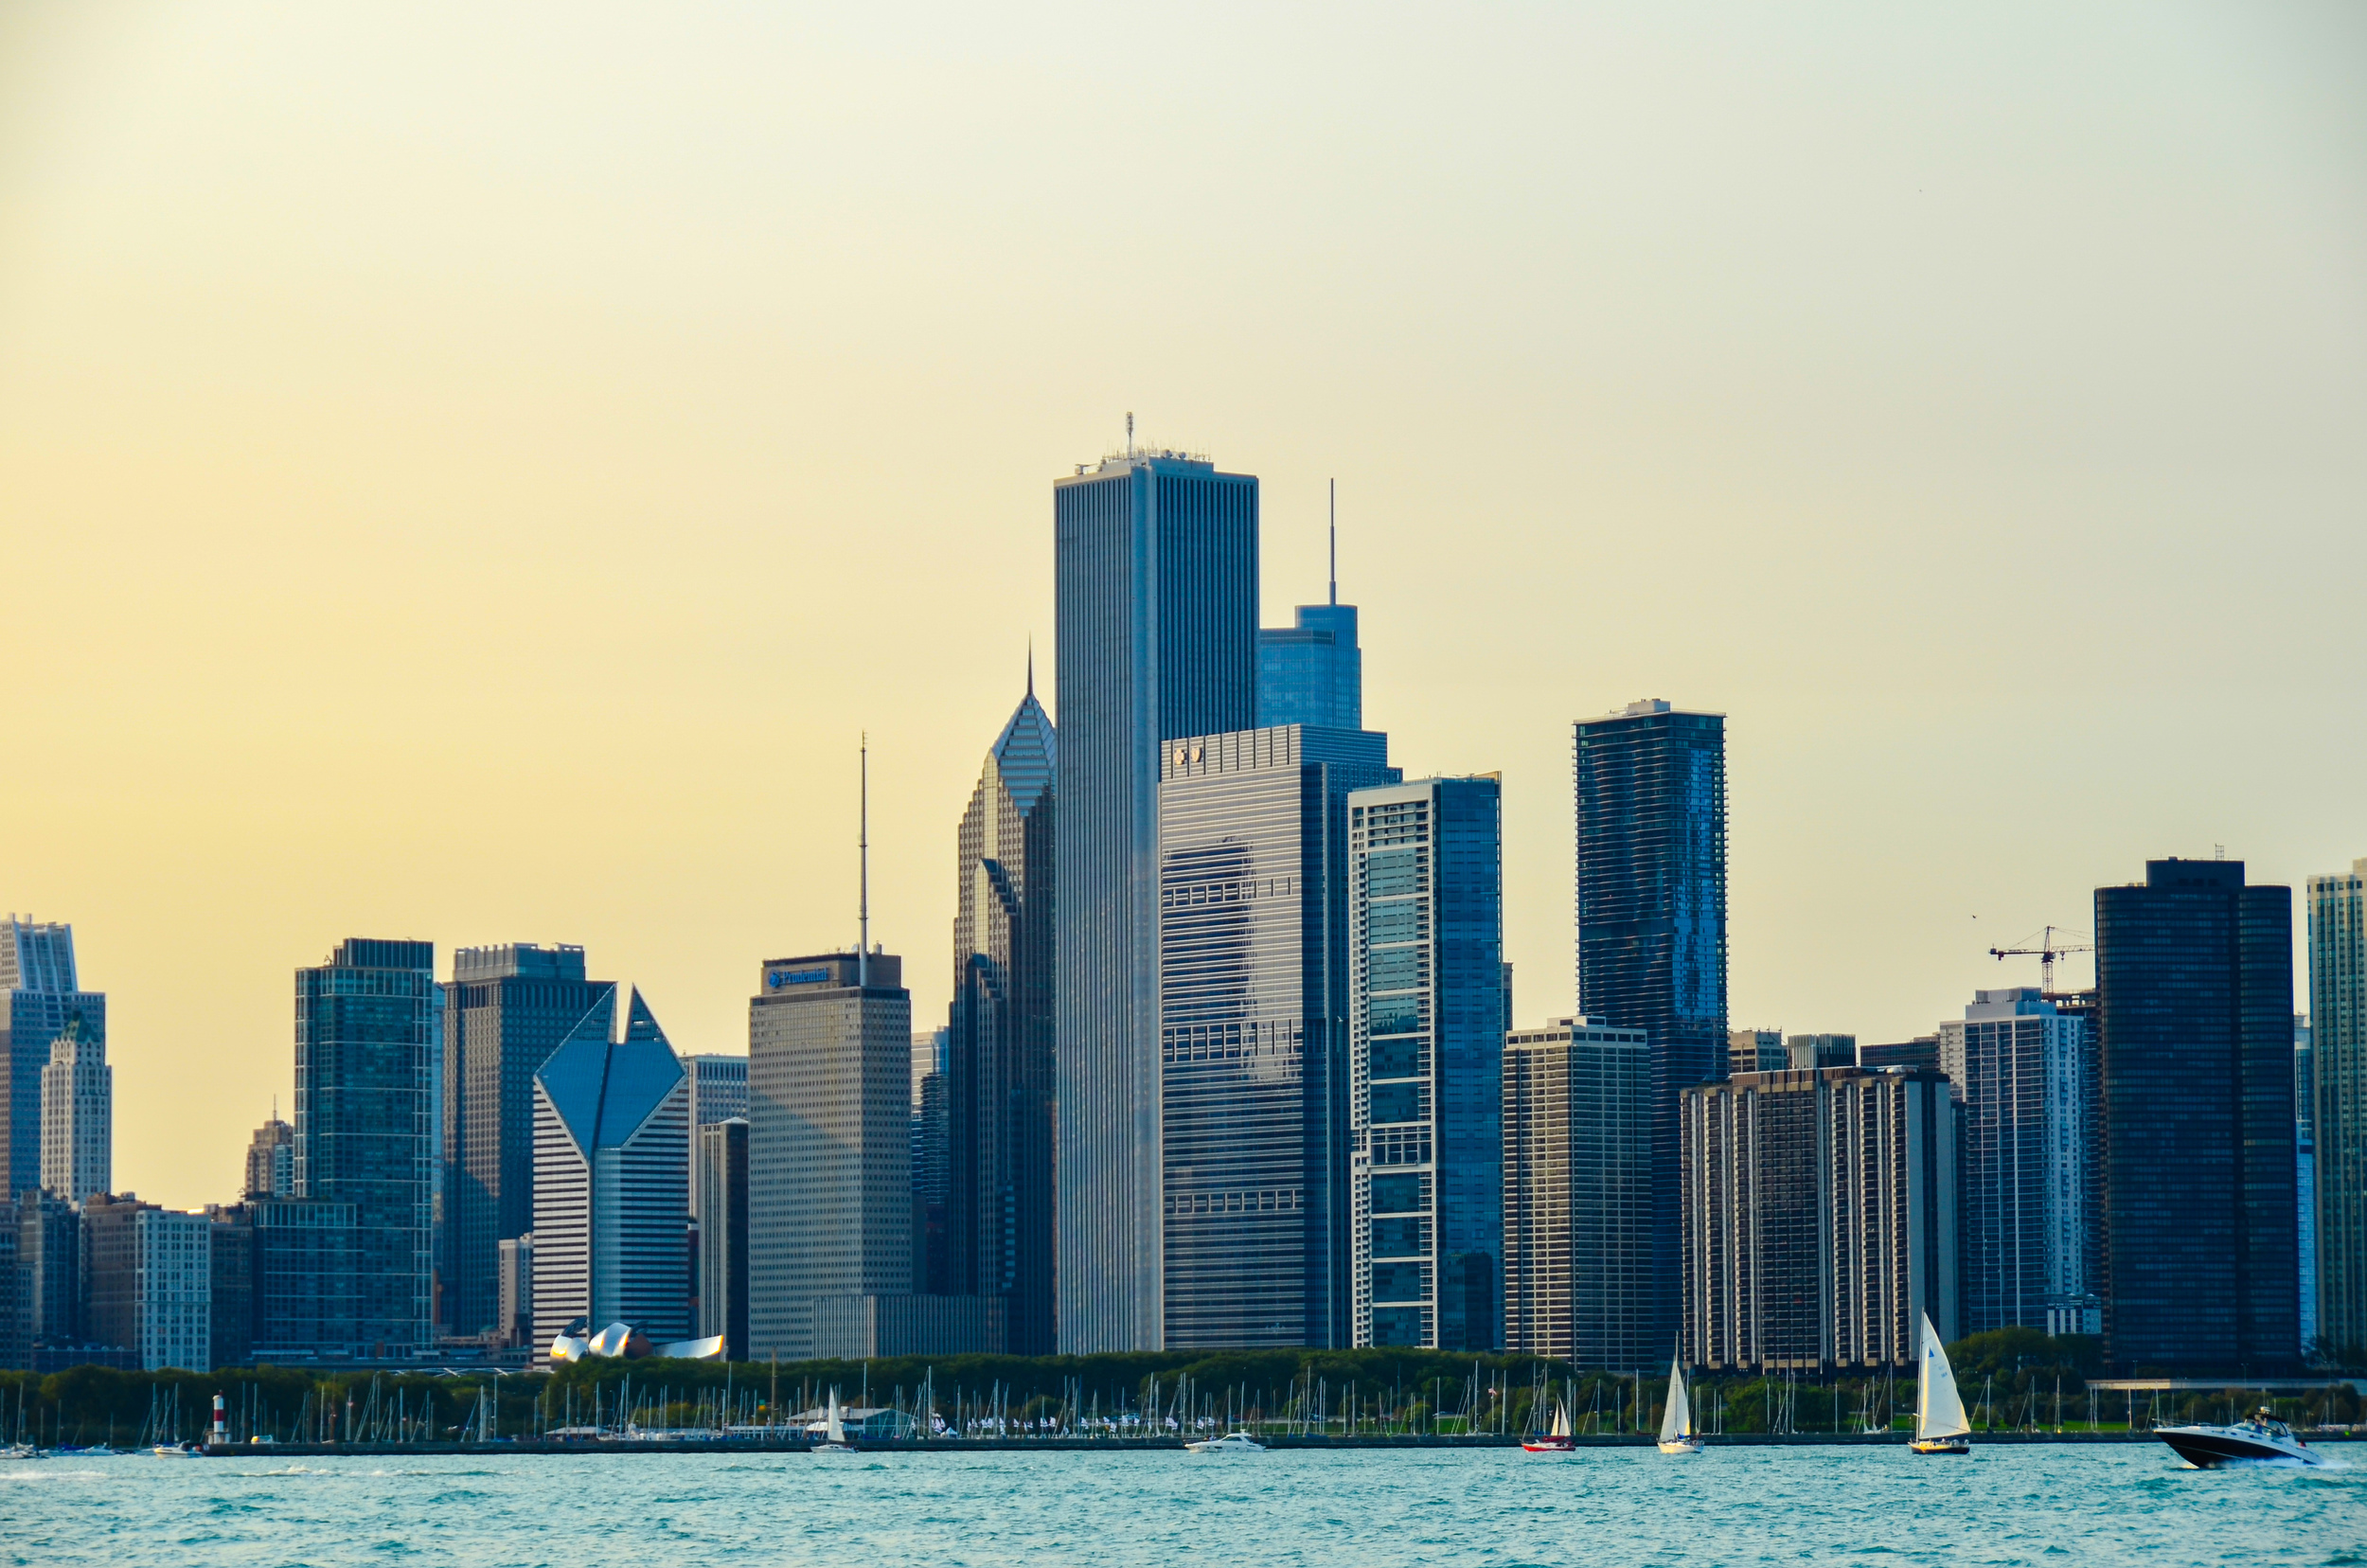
(1681, 1445)
(1939, 1445)
(1551, 1445)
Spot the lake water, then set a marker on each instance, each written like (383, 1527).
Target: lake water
(2133, 1503)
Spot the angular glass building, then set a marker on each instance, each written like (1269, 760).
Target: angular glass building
(1651, 916)
(1254, 1010)
(1156, 590)
(2194, 1014)
(2337, 1113)
(39, 992)
(1425, 1062)
(1312, 672)
(365, 1125)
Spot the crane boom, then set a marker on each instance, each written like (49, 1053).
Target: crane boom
(2045, 952)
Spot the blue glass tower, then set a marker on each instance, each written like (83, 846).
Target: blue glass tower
(39, 994)
(1156, 591)
(1312, 673)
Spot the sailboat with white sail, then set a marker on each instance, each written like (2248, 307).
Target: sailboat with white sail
(1940, 1424)
(833, 1431)
(1561, 1440)
(1676, 1424)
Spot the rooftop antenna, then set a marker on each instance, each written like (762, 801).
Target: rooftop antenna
(1031, 663)
(1335, 541)
(1129, 433)
(862, 852)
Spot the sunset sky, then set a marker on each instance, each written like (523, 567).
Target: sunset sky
(471, 474)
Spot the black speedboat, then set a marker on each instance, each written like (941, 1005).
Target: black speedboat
(2260, 1438)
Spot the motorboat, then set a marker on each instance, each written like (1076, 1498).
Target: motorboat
(1940, 1424)
(1559, 1440)
(1232, 1442)
(1676, 1424)
(2260, 1438)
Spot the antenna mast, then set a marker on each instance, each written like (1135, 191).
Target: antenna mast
(1335, 541)
(862, 854)
(1129, 433)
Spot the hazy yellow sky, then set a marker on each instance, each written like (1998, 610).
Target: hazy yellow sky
(471, 473)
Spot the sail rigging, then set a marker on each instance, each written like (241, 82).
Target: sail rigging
(1939, 1410)
(1677, 1422)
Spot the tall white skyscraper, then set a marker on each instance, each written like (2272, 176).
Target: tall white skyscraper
(78, 1091)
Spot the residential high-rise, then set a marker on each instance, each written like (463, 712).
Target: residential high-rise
(718, 1090)
(1578, 1194)
(271, 1161)
(306, 1252)
(1923, 1051)
(722, 1179)
(16, 1318)
(150, 1274)
(506, 1009)
(931, 1155)
(612, 1180)
(230, 1287)
(1253, 1010)
(364, 1125)
(2337, 1110)
(1819, 1212)
(985, 1141)
(2195, 1004)
(78, 1096)
(829, 1150)
(1156, 594)
(1756, 1051)
(514, 1313)
(2306, 1175)
(1808, 1053)
(2020, 1070)
(39, 992)
(1425, 1050)
(1650, 783)
(49, 1250)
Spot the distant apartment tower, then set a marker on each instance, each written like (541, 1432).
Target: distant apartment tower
(612, 1176)
(150, 1281)
(1650, 786)
(2022, 1070)
(1254, 1036)
(987, 1138)
(1756, 1051)
(39, 993)
(49, 1252)
(721, 1177)
(1578, 1194)
(508, 1009)
(1426, 1049)
(1819, 1219)
(1808, 1053)
(717, 1088)
(513, 1317)
(2195, 1004)
(1156, 592)
(2338, 1108)
(2306, 1176)
(365, 1120)
(77, 1092)
(931, 1155)
(307, 1254)
(271, 1161)
(16, 1326)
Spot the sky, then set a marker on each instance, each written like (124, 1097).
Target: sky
(474, 474)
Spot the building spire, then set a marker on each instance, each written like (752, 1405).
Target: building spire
(863, 853)
(1335, 541)
(1031, 663)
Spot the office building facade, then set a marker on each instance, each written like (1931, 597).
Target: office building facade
(40, 993)
(307, 1254)
(50, 1251)
(1312, 672)
(1578, 1194)
(149, 1281)
(271, 1161)
(717, 1088)
(1819, 1219)
(16, 1319)
(78, 1093)
(1156, 596)
(2306, 1178)
(2194, 1009)
(612, 1200)
(1810, 1053)
(722, 1179)
(1426, 1049)
(932, 1156)
(1756, 1051)
(2337, 1108)
(2021, 1071)
(1254, 1008)
(1651, 788)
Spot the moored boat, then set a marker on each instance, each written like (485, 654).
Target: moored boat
(1940, 1424)
(2258, 1439)
(1559, 1440)
(1232, 1442)
(1676, 1424)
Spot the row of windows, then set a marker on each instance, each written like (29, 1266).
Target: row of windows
(1189, 895)
(1264, 1201)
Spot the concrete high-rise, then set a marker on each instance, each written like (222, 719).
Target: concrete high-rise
(992, 1116)
(1650, 786)
(78, 1093)
(2338, 1108)
(508, 1009)
(150, 1274)
(718, 1090)
(720, 1179)
(271, 1161)
(1578, 1194)
(365, 1032)
(39, 992)
(1254, 1035)
(1156, 594)
(2194, 1008)
(611, 1202)
(2021, 1071)
(1426, 1053)
(1756, 1051)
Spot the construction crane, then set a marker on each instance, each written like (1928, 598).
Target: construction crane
(2045, 952)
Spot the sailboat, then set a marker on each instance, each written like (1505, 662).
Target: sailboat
(1676, 1425)
(1561, 1440)
(833, 1431)
(1940, 1424)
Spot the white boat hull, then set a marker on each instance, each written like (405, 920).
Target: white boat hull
(2209, 1447)
(1230, 1443)
(1681, 1445)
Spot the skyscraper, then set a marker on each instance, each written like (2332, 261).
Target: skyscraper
(2338, 1039)
(271, 1161)
(1156, 589)
(718, 1090)
(1311, 672)
(364, 1125)
(994, 1190)
(50, 1251)
(933, 1070)
(39, 992)
(1578, 1193)
(2195, 1004)
(2306, 1174)
(612, 1201)
(1651, 908)
(1426, 1051)
(508, 1009)
(721, 1178)
(1756, 1051)
(78, 1093)
(1253, 1009)
(2021, 1069)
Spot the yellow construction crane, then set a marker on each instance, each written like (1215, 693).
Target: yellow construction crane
(2045, 952)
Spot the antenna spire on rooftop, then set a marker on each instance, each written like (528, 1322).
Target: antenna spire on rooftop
(1129, 433)
(1335, 541)
(862, 852)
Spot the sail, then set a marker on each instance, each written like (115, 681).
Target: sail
(836, 1431)
(1677, 1421)
(1939, 1411)
(1562, 1420)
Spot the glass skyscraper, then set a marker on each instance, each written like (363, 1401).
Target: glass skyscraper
(2337, 1115)
(39, 993)
(1312, 672)
(1651, 896)
(364, 1124)
(1426, 1057)
(2194, 1009)
(1156, 591)
(1253, 1006)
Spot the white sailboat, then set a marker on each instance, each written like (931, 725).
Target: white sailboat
(833, 1431)
(1940, 1424)
(1559, 1440)
(1676, 1424)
